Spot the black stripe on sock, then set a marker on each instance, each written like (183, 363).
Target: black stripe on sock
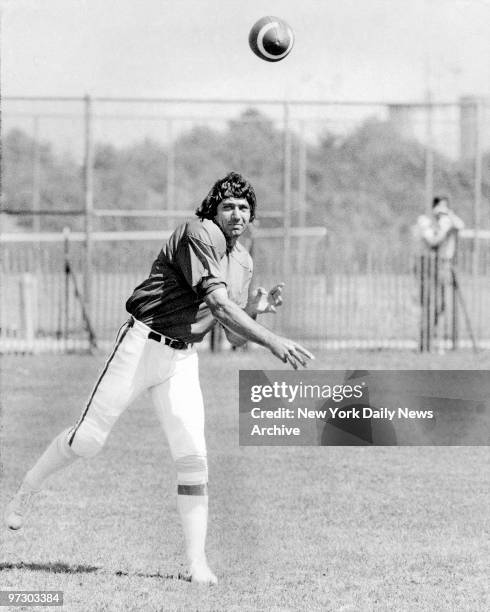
(196, 489)
(111, 357)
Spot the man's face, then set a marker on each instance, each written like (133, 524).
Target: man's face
(233, 216)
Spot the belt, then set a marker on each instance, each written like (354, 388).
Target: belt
(171, 342)
(180, 345)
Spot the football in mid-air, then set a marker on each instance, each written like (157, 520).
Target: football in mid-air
(271, 39)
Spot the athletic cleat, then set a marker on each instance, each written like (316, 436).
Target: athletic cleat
(18, 508)
(201, 574)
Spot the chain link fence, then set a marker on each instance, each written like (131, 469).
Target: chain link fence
(353, 175)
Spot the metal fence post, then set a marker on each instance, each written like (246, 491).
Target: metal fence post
(302, 163)
(429, 157)
(89, 204)
(29, 308)
(66, 286)
(286, 190)
(170, 166)
(477, 215)
(36, 175)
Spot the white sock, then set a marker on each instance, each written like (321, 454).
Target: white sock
(57, 456)
(193, 510)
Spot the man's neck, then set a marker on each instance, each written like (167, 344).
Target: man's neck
(230, 243)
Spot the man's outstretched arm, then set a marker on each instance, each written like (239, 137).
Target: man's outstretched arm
(237, 321)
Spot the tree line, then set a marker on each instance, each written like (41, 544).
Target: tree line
(363, 186)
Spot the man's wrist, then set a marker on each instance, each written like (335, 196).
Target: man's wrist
(251, 313)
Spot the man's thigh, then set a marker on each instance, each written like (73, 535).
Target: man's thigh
(179, 405)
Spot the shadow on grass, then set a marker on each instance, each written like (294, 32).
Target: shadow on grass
(55, 568)
(64, 568)
(178, 576)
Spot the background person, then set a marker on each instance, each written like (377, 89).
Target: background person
(440, 230)
(439, 236)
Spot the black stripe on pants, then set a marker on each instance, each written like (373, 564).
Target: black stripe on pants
(111, 357)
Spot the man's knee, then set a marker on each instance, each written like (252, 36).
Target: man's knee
(192, 470)
(86, 441)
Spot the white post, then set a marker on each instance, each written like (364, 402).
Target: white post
(477, 216)
(89, 204)
(302, 163)
(429, 135)
(36, 177)
(286, 260)
(28, 307)
(429, 155)
(170, 167)
(66, 281)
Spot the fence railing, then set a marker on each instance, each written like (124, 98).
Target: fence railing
(82, 137)
(374, 305)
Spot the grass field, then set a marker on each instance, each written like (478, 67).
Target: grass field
(341, 529)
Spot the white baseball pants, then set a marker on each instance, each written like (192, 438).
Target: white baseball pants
(136, 364)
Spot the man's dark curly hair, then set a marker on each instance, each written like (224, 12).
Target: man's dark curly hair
(438, 199)
(233, 185)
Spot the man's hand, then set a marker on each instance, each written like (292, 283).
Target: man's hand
(234, 318)
(423, 222)
(289, 351)
(262, 301)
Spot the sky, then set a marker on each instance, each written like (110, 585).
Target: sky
(368, 50)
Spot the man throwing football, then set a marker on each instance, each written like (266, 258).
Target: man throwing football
(201, 277)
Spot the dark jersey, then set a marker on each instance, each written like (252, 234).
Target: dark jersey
(192, 264)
